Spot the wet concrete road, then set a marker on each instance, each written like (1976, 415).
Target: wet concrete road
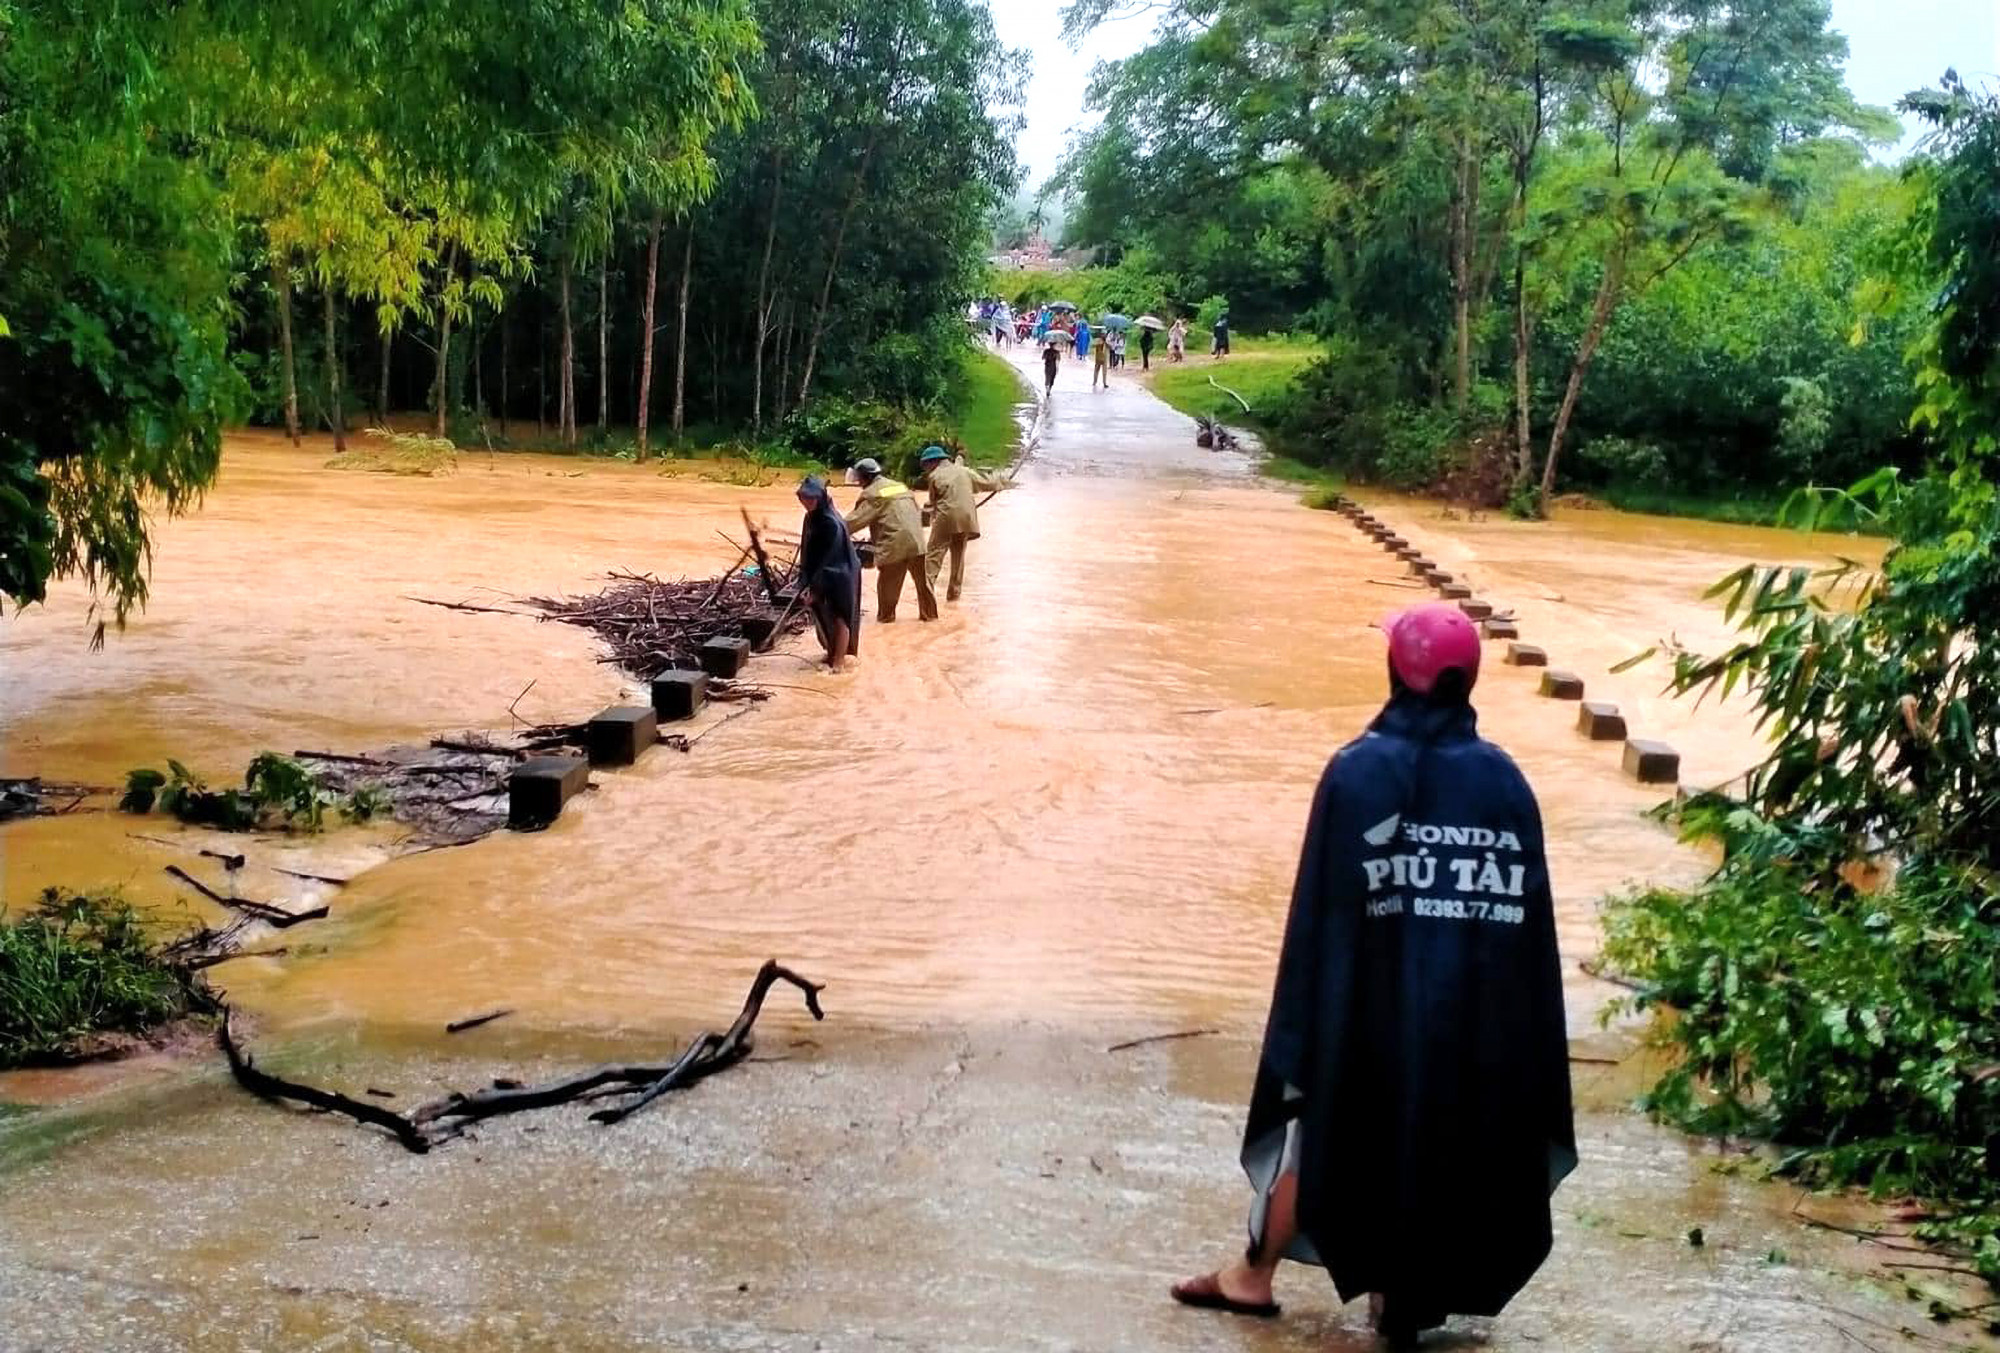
(1064, 817)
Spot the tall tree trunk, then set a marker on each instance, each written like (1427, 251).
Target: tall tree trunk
(442, 391)
(645, 397)
(337, 412)
(566, 380)
(1600, 320)
(541, 375)
(382, 391)
(281, 282)
(1524, 446)
(479, 374)
(765, 298)
(1462, 218)
(681, 340)
(506, 360)
(603, 345)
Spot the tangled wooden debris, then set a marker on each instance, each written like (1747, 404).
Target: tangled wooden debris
(652, 626)
(1212, 435)
(451, 1115)
(36, 797)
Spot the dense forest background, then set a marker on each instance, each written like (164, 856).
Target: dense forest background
(575, 221)
(1541, 244)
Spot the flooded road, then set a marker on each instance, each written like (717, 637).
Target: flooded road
(1064, 815)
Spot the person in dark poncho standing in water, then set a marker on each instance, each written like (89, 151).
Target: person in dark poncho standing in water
(1411, 1115)
(830, 573)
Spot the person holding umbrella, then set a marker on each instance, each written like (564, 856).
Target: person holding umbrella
(830, 572)
(1147, 324)
(1051, 363)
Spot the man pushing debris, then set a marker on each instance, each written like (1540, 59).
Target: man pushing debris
(1411, 1114)
(896, 528)
(954, 513)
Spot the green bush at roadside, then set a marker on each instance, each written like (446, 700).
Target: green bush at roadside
(74, 967)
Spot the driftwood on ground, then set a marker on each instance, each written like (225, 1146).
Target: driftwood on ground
(449, 1116)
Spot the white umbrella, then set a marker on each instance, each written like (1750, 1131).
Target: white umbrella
(1149, 322)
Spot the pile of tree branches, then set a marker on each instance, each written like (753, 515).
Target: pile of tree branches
(652, 626)
(440, 1120)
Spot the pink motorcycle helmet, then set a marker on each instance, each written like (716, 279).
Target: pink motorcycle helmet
(1427, 641)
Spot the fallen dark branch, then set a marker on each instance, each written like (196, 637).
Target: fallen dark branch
(459, 1026)
(1162, 1038)
(469, 607)
(1589, 969)
(266, 1086)
(210, 960)
(310, 878)
(276, 917)
(711, 1053)
(445, 1118)
(341, 758)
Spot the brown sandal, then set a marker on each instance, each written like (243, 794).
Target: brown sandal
(1205, 1293)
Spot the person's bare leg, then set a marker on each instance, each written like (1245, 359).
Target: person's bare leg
(836, 651)
(1248, 1280)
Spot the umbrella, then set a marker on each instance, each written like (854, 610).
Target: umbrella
(1150, 322)
(1116, 321)
(1061, 305)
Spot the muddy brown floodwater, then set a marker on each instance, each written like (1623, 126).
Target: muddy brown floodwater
(1064, 816)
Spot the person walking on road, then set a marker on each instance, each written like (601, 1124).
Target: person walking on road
(888, 511)
(1051, 363)
(1100, 370)
(830, 571)
(1177, 341)
(1146, 348)
(954, 514)
(1411, 1115)
(1082, 337)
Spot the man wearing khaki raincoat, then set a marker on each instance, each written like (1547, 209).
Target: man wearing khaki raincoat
(954, 513)
(896, 529)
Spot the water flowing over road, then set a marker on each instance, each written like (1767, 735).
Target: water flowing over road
(1063, 816)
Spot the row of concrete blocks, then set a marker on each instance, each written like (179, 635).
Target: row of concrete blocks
(1647, 761)
(540, 786)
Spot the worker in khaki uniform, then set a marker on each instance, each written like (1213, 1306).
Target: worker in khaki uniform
(896, 529)
(954, 513)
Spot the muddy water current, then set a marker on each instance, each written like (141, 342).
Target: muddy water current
(1067, 813)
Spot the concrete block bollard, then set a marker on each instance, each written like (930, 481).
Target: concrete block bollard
(1395, 542)
(724, 658)
(760, 628)
(1475, 609)
(1454, 591)
(679, 695)
(1421, 567)
(1562, 685)
(540, 786)
(1600, 722)
(1526, 655)
(620, 735)
(1495, 628)
(1652, 763)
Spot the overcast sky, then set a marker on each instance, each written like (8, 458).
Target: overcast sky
(1894, 46)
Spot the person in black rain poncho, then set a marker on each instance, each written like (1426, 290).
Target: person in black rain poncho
(1411, 1114)
(830, 572)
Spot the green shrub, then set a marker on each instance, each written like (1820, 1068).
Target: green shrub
(76, 965)
(273, 785)
(1418, 447)
(1626, 460)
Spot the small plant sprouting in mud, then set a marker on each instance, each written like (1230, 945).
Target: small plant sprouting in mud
(276, 790)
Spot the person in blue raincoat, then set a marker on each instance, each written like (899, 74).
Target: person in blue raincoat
(1082, 338)
(1411, 1114)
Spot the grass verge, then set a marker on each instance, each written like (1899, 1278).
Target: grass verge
(1259, 369)
(980, 405)
(75, 968)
